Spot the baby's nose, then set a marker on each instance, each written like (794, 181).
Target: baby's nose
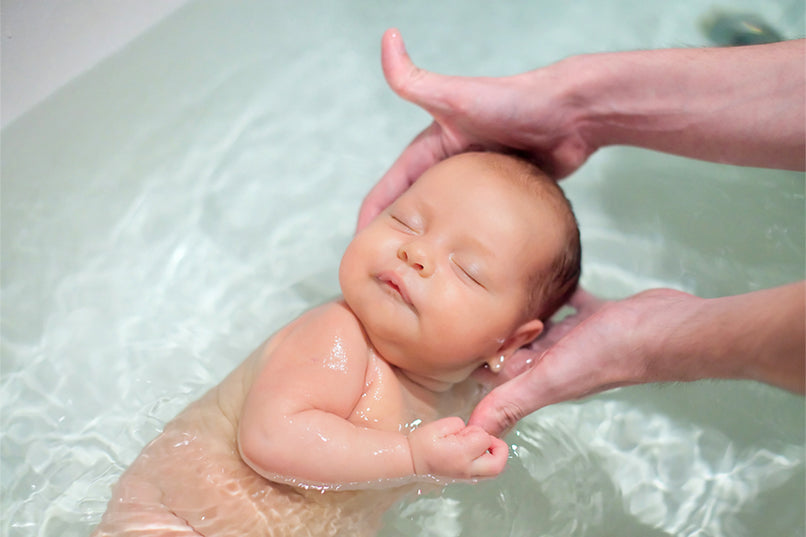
(414, 255)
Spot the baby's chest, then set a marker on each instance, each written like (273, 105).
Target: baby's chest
(384, 404)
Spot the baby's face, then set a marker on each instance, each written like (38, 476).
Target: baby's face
(439, 279)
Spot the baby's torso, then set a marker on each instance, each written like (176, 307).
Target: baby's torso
(193, 475)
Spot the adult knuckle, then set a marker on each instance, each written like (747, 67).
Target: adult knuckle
(509, 414)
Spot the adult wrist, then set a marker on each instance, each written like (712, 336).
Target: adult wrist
(562, 112)
(584, 82)
(671, 339)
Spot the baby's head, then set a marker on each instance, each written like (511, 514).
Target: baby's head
(464, 267)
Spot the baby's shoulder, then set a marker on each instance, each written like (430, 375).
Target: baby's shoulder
(329, 333)
(333, 320)
(323, 348)
(336, 312)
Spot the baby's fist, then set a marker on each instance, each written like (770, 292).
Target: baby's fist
(449, 448)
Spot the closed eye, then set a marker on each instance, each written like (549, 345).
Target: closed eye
(403, 223)
(468, 272)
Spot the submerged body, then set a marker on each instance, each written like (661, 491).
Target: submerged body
(357, 401)
(191, 480)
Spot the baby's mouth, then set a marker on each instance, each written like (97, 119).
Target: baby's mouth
(394, 285)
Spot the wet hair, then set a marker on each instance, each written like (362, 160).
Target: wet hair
(549, 287)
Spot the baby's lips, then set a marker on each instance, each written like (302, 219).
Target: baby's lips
(394, 281)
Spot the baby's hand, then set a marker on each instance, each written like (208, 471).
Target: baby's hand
(449, 448)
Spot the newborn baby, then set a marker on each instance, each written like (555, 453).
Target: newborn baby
(355, 402)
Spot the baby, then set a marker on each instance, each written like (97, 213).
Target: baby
(334, 418)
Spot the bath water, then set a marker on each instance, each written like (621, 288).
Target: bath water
(168, 210)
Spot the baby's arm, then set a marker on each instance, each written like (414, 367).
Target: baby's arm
(294, 425)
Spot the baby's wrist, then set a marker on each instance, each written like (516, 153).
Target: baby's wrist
(418, 466)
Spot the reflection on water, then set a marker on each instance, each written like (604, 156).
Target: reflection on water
(610, 465)
(166, 212)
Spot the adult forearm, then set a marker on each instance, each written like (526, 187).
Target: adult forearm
(768, 328)
(756, 336)
(742, 105)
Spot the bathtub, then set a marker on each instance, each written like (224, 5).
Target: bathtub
(166, 211)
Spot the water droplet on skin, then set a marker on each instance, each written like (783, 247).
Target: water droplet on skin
(337, 360)
(406, 428)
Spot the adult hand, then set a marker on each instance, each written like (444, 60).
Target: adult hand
(584, 303)
(738, 105)
(474, 113)
(656, 336)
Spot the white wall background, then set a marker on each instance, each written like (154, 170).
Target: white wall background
(45, 43)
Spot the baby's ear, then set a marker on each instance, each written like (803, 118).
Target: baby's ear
(523, 335)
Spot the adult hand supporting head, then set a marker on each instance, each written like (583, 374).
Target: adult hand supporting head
(721, 104)
(526, 114)
(659, 335)
(587, 352)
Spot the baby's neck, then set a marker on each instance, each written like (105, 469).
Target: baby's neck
(441, 398)
(423, 383)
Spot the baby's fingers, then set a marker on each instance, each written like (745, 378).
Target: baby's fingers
(489, 453)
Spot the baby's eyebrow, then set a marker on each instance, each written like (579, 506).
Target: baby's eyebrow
(416, 209)
(478, 248)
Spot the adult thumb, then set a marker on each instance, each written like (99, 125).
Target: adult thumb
(504, 406)
(410, 82)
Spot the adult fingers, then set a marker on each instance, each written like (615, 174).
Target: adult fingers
(587, 360)
(422, 153)
(559, 374)
(435, 93)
